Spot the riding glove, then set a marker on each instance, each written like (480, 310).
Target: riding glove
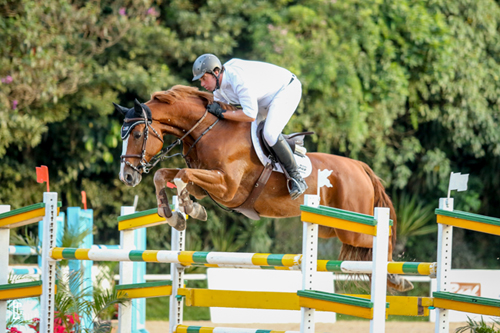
(216, 110)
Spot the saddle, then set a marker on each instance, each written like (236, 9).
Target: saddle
(296, 143)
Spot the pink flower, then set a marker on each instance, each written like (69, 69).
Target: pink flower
(14, 104)
(122, 11)
(73, 318)
(7, 79)
(151, 11)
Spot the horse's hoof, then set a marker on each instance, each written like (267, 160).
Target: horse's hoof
(398, 283)
(198, 212)
(177, 221)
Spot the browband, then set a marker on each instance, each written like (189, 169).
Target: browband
(129, 124)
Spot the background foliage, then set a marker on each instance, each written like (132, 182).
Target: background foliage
(410, 87)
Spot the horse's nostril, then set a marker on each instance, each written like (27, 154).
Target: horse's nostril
(128, 178)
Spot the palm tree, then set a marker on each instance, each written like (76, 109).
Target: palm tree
(69, 302)
(479, 327)
(413, 218)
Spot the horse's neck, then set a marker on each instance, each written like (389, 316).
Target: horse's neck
(234, 136)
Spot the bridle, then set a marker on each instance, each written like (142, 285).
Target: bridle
(145, 166)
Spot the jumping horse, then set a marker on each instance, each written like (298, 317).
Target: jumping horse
(223, 164)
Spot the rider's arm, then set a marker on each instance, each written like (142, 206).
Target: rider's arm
(237, 115)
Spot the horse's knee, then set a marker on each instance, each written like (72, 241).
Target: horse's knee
(161, 177)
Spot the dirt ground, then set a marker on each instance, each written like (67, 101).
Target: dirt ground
(340, 326)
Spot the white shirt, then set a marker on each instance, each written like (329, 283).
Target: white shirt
(251, 84)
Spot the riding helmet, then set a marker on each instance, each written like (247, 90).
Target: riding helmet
(205, 63)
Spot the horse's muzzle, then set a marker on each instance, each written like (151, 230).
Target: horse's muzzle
(130, 177)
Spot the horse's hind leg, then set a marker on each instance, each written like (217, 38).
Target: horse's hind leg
(357, 252)
(398, 282)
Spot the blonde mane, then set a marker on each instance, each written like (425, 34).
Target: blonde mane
(180, 92)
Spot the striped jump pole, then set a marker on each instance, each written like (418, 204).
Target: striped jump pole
(185, 258)
(19, 250)
(21, 270)
(236, 259)
(347, 267)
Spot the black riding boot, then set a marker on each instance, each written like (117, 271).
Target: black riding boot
(296, 184)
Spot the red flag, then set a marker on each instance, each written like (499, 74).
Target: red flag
(170, 185)
(42, 175)
(84, 200)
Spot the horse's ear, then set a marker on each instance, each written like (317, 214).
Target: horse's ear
(137, 107)
(121, 109)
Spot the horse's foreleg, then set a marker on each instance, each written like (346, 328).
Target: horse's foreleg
(193, 209)
(176, 219)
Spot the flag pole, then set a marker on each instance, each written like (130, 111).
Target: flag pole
(449, 189)
(318, 182)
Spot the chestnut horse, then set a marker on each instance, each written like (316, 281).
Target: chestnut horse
(222, 163)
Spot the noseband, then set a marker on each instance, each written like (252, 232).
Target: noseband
(145, 166)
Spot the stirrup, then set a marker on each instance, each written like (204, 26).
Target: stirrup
(300, 189)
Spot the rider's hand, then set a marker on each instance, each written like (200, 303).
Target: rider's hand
(216, 110)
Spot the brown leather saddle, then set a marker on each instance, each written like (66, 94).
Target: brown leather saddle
(296, 143)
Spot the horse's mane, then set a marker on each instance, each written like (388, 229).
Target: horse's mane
(180, 92)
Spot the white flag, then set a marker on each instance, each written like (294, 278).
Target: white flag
(458, 182)
(323, 178)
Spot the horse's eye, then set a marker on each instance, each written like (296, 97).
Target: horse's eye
(137, 134)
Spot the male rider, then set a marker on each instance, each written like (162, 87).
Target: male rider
(256, 87)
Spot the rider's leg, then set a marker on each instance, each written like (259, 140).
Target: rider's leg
(280, 111)
(296, 184)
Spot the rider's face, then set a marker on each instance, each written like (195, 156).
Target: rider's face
(208, 82)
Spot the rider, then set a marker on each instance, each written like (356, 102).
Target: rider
(256, 87)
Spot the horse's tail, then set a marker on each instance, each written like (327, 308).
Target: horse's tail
(381, 198)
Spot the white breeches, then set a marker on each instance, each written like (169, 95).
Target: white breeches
(281, 110)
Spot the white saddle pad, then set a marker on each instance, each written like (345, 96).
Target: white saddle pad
(303, 163)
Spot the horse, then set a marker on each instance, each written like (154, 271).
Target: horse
(223, 164)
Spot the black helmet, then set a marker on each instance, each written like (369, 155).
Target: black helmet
(205, 63)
